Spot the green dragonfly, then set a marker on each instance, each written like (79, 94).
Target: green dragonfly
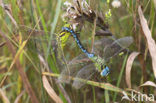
(84, 67)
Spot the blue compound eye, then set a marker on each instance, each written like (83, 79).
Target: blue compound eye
(105, 72)
(90, 55)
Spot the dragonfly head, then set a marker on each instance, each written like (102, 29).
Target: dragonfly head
(105, 71)
(90, 55)
(67, 27)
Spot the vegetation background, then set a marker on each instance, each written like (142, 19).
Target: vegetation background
(23, 70)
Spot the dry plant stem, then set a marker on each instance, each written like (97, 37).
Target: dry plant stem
(2, 44)
(21, 71)
(144, 74)
(93, 34)
(8, 11)
(4, 97)
(17, 100)
(64, 92)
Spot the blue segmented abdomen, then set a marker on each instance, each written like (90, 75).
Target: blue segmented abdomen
(90, 55)
(105, 72)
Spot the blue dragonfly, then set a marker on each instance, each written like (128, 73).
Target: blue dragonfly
(108, 48)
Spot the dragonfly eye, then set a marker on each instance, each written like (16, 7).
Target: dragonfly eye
(105, 71)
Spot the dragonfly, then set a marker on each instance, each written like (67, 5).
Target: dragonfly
(98, 63)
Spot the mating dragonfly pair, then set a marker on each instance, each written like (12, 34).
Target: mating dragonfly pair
(79, 67)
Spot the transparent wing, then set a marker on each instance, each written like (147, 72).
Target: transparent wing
(33, 31)
(116, 47)
(79, 67)
(35, 34)
(85, 73)
(99, 45)
(108, 48)
(73, 68)
(79, 59)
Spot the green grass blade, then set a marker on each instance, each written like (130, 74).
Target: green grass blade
(94, 97)
(120, 75)
(107, 96)
(53, 26)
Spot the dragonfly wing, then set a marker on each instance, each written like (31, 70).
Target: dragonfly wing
(85, 73)
(70, 71)
(99, 45)
(116, 47)
(125, 41)
(103, 42)
(72, 68)
(79, 59)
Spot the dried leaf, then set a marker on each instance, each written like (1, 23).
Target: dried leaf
(154, 4)
(149, 83)
(129, 67)
(50, 90)
(150, 41)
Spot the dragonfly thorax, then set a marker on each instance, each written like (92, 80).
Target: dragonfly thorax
(99, 62)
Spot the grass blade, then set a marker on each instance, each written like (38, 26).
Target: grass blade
(53, 26)
(120, 76)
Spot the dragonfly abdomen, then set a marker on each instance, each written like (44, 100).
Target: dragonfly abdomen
(90, 55)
